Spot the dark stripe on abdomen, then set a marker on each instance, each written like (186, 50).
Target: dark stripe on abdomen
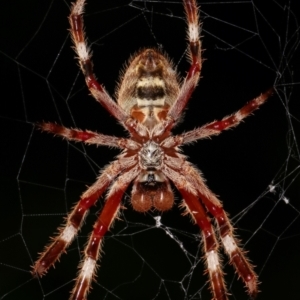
(150, 92)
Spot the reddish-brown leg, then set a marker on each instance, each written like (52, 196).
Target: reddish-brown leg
(84, 57)
(233, 120)
(188, 180)
(235, 253)
(67, 233)
(194, 55)
(105, 220)
(88, 137)
(237, 256)
(96, 89)
(214, 269)
(196, 210)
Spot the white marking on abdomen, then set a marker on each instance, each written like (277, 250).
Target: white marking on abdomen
(157, 102)
(150, 81)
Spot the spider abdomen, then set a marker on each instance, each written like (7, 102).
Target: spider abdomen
(149, 87)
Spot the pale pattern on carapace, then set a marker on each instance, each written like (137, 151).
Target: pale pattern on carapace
(150, 101)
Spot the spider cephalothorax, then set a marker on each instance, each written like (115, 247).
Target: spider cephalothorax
(151, 187)
(150, 102)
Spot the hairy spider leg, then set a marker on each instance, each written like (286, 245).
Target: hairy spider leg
(195, 209)
(237, 256)
(67, 233)
(194, 56)
(231, 245)
(212, 256)
(188, 180)
(86, 65)
(104, 222)
(216, 127)
(88, 137)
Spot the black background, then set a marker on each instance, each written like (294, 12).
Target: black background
(42, 176)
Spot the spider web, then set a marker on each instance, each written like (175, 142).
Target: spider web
(249, 46)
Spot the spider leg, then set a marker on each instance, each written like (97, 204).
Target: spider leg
(85, 62)
(88, 136)
(198, 214)
(216, 127)
(237, 256)
(187, 178)
(194, 55)
(105, 220)
(67, 233)
(212, 255)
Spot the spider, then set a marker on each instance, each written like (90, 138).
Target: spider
(150, 101)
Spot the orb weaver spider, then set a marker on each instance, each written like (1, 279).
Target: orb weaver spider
(150, 101)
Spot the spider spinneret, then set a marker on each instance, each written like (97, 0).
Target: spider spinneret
(150, 101)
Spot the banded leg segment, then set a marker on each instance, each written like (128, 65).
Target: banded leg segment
(228, 122)
(105, 220)
(192, 15)
(188, 179)
(84, 56)
(237, 256)
(67, 233)
(194, 55)
(198, 214)
(214, 268)
(88, 136)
